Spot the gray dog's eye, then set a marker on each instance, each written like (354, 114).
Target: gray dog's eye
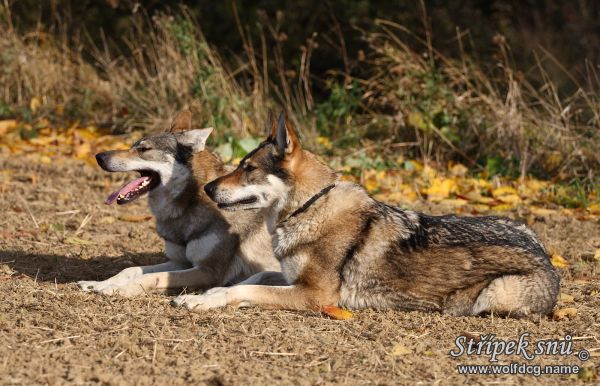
(144, 149)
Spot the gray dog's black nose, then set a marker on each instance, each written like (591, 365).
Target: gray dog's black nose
(100, 158)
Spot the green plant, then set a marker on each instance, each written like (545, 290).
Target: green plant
(338, 110)
(6, 111)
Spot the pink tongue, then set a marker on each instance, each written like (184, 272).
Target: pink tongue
(125, 189)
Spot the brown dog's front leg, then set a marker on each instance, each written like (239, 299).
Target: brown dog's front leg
(293, 297)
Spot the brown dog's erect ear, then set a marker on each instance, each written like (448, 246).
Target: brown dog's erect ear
(181, 122)
(286, 139)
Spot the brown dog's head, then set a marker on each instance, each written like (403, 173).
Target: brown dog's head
(265, 176)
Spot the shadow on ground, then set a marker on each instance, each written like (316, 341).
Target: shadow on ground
(67, 269)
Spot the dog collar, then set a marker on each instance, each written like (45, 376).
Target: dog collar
(311, 201)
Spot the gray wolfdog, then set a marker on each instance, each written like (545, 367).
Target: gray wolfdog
(338, 246)
(205, 247)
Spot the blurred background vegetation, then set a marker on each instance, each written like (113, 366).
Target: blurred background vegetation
(504, 87)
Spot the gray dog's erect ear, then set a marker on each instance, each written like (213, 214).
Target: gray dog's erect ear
(181, 122)
(196, 139)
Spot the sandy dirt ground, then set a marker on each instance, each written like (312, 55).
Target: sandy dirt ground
(55, 230)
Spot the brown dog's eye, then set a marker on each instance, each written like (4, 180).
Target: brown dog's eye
(143, 149)
(249, 168)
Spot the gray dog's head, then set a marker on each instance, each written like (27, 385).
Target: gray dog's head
(158, 158)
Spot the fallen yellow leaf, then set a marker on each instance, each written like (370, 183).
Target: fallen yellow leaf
(486, 200)
(413, 165)
(503, 191)
(90, 160)
(88, 133)
(6, 125)
(553, 160)
(566, 298)
(597, 255)
(594, 209)
(108, 220)
(348, 177)
(562, 313)
(542, 212)
(481, 207)
(59, 110)
(325, 142)
(459, 170)
(472, 195)
(559, 262)
(371, 185)
(389, 197)
(532, 187)
(400, 193)
(429, 173)
(503, 207)
(400, 350)
(43, 140)
(536, 184)
(410, 195)
(83, 150)
(417, 120)
(481, 183)
(336, 312)
(510, 199)
(134, 217)
(453, 202)
(35, 104)
(587, 374)
(440, 188)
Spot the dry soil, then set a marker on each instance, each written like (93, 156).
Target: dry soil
(54, 230)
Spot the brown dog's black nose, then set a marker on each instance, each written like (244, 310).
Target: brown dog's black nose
(210, 189)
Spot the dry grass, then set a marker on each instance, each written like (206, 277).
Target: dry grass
(169, 66)
(455, 110)
(427, 106)
(41, 75)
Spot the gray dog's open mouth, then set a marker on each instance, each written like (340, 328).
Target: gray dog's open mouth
(242, 202)
(135, 189)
